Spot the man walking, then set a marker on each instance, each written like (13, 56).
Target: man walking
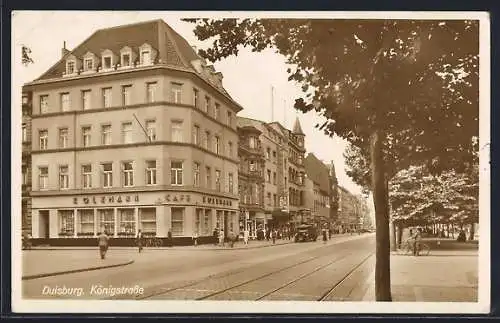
(139, 240)
(103, 241)
(245, 236)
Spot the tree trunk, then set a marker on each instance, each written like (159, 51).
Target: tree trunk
(400, 234)
(472, 231)
(380, 201)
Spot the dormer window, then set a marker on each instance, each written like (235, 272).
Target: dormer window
(106, 62)
(70, 67)
(146, 57)
(126, 60)
(147, 54)
(127, 57)
(89, 64)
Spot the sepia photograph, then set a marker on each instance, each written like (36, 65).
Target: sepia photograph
(250, 162)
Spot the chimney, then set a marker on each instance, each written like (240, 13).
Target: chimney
(64, 51)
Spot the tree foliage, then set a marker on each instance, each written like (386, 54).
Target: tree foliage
(26, 56)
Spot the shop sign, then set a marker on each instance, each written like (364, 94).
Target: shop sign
(217, 201)
(105, 199)
(177, 198)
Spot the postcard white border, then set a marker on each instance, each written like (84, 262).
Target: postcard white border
(20, 305)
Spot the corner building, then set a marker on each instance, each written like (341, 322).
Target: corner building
(132, 130)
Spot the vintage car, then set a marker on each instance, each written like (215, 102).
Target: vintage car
(306, 232)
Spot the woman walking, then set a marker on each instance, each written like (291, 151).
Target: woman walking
(139, 240)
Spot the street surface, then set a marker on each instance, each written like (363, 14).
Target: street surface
(340, 270)
(297, 271)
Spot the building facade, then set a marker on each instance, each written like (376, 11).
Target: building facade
(133, 130)
(27, 102)
(352, 211)
(280, 172)
(317, 190)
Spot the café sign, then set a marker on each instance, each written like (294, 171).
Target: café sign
(105, 199)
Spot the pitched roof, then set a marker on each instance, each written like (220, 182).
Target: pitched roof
(297, 129)
(317, 172)
(173, 49)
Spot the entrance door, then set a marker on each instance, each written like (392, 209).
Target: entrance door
(43, 224)
(226, 223)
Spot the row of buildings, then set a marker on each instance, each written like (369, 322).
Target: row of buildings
(133, 130)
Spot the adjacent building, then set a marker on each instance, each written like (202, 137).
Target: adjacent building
(352, 211)
(132, 130)
(27, 102)
(271, 174)
(317, 190)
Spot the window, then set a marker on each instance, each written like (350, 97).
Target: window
(151, 129)
(229, 118)
(65, 104)
(176, 92)
(196, 135)
(86, 99)
(274, 155)
(230, 182)
(44, 104)
(63, 138)
(107, 221)
(88, 64)
(63, 177)
(106, 97)
(107, 170)
(86, 136)
(126, 60)
(86, 222)
(151, 172)
(252, 166)
(268, 198)
(208, 181)
(151, 91)
(128, 174)
(207, 104)
(24, 170)
(126, 93)
(177, 221)
(217, 180)
(230, 149)
(87, 176)
(146, 57)
(44, 139)
(177, 131)
(106, 134)
(206, 139)
(126, 220)
(268, 176)
(252, 142)
(66, 222)
(176, 172)
(274, 178)
(147, 220)
(127, 132)
(196, 172)
(25, 132)
(275, 200)
(106, 62)
(217, 145)
(195, 98)
(268, 153)
(43, 177)
(70, 67)
(217, 111)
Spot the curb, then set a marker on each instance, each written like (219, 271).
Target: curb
(28, 277)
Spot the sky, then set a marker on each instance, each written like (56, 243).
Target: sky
(248, 77)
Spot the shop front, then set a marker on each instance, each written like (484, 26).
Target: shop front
(78, 219)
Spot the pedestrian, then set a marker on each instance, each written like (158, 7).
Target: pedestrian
(215, 236)
(169, 238)
(139, 240)
(245, 236)
(195, 238)
(274, 234)
(231, 237)
(221, 237)
(329, 233)
(416, 242)
(103, 242)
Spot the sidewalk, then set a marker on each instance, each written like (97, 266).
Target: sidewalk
(442, 276)
(239, 245)
(37, 265)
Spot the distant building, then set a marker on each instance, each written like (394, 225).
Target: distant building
(132, 130)
(317, 189)
(352, 210)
